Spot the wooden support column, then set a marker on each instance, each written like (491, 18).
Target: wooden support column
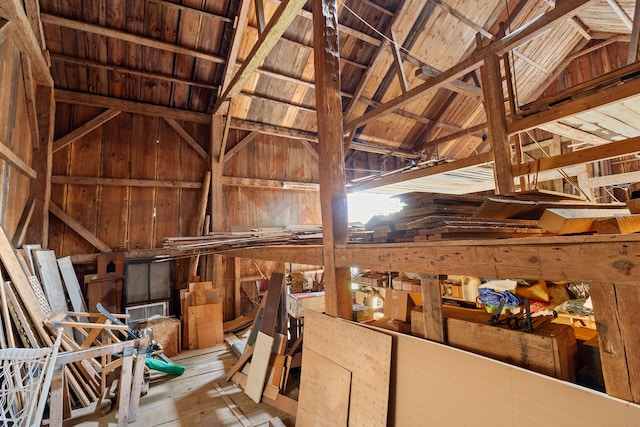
(432, 307)
(333, 195)
(632, 55)
(42, 162)
(615, 309)
(497, 123)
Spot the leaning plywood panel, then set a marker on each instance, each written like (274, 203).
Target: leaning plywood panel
(432, 384)
(51, 281)
(72, 284)
(363, 352)
(319, 398)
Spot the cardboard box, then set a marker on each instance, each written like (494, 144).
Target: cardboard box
(398, 305)
(298, 303)
(362, 313)
(166, 332)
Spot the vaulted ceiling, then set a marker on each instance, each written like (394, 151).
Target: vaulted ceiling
(186, 54)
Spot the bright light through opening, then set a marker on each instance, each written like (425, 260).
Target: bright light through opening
(363, 206)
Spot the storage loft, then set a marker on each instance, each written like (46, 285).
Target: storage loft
(174, 181)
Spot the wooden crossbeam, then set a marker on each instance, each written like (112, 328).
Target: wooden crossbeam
(20, 165)
(78, 228)
(191, 142)
(81, 131)
(240, 145)
(132, 38)
(278, 24)
(563, 11)
(149, 183)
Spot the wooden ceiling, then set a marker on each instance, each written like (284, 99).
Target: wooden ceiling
(186, 54)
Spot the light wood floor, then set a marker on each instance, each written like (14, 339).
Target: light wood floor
(193, 398)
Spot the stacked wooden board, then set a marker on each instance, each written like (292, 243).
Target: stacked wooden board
(201, 316)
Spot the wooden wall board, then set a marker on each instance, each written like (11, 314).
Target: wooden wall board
(167, 205)
(319, 399)
(141, 206)
(365, 353)
(423, 393)
(115, 159)
(51, 281)
(192, 168)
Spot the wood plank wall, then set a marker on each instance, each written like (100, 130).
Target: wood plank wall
(127, 147)
(132, 146)
(15, 133)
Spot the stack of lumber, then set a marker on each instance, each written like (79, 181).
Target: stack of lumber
(34, 305)
(263, 367)
(201, 316)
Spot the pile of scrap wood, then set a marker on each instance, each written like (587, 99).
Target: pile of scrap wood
(34, 306)
(201, 316)
(263, 367)
(428, 216)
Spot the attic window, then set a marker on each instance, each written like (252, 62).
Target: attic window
(362, 206)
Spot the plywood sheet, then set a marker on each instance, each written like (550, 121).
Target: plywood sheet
(259, 365)
(431, 383)
(320, 398)
(363, 352)
(51, 281)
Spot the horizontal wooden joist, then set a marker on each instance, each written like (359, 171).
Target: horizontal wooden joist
(269, 183)
(564, 10)
(128, 37)
(612, 259)
(122, 182)
(297, 254)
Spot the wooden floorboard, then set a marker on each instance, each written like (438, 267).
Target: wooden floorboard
(191, 399)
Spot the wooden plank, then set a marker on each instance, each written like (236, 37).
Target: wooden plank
(51, 281)
(72, 285)
(15, 161)
(279, 22)
(78, 228)
(318, 399)
(618, 225)
(432, 303)
(259, 365)
(30, 97)
(571, 221)
(23, 223)
(123, 182)
(86, 128)
(191, 142)
(271, 306)
(333, 195)
(128, 37)
(497, 124)
(240, 145)
(342, 342)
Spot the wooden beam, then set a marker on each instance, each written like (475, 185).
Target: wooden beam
(531, 62)
(613, 259)
(278, 24)
(615, 179)
(274, 130)
(609, 95)
(16, 162)
(570, 132)
(460, 17)
(78, 228)
(634, 43)
(601, 152)
(23, 223)
(333, 196)
(497, 121)
(311, 150)
(397, 60)
(131, 71)
(122, 182)
(269, 183)
(306, 254)
(225, 133)
(131, 38)
(69, 97)
(186, 137)
(193, 10)
(580, 27)
(81, 131)
(240, 145)
(432, 308)
(458, 86)
(30, 96)
(239, 27)
(621, 13)
(13, 10)
(476, 160)
(259, 5)
(216, 199)
(563, 11)
(377, 56)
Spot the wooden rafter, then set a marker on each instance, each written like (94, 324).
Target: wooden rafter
(278, 24)
(563, 11)
(460, 17)
(260, 15)
(132, 38)
(621, 13)
(458, 86)
(188, 9)
(232, 57)
(397, 60)
(81, 131)
(580, 27)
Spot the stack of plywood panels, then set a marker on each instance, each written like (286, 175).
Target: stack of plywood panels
(201, 316)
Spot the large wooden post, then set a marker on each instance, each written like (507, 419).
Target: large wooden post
(330, 133)
(497, 123)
